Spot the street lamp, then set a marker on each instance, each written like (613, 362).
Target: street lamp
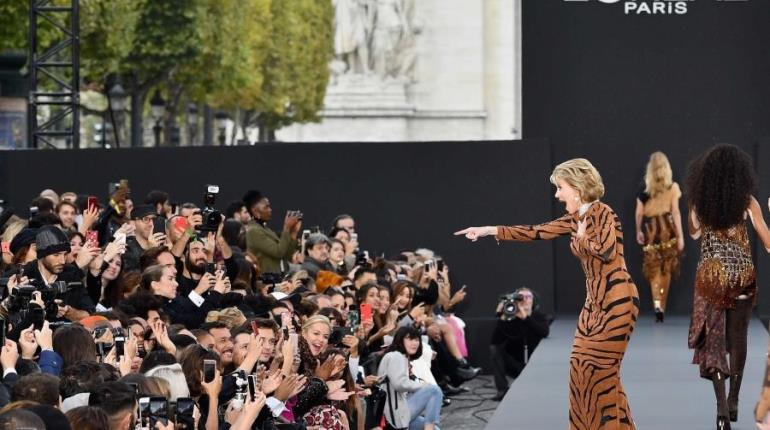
(117, 99)
(158, 108)
(192, 121)
(220, 119)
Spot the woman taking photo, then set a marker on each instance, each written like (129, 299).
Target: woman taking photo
(659, 229)
(721, 184)
(612, 303)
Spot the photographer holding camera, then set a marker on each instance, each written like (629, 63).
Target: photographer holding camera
(51, 267)
(520, 327)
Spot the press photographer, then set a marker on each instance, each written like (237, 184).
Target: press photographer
(50, 268)
(520, 327)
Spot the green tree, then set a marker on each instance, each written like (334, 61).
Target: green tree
(226, 72)
(296, 68)
(107, 34)
(166, 38)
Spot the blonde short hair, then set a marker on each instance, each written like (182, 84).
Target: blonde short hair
(316, 319)
(581, 175)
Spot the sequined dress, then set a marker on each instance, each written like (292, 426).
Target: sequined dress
(725, 272)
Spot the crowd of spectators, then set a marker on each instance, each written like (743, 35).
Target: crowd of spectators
(126, 312)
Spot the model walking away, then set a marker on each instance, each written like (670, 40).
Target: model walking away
(659, 230)
(720, 187)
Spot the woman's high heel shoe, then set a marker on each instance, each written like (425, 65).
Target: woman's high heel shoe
(723, 423)
(658, 315)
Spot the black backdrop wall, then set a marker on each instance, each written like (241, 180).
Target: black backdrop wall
(614, 88)
(597, 84)
(403, 196)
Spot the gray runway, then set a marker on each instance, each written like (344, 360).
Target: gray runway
(665, 392)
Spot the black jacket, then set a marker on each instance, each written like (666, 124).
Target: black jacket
(78, 298)
(182, 310)
(514, 334)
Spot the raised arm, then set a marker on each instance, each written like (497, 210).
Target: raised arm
(546, 231)
(758, 221)
(522, 233)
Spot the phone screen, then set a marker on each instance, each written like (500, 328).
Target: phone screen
(120, 342)
(285, 319)
(144, 411)
(353, 319)
(209, 370)
(252, 386)
(159, 408)
(159, 225)
(6, 247)
(92, 236)
(93, 202)
(37, 317)
(3, 329)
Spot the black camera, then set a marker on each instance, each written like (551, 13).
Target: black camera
(58, 292)
(510, 304)
(211, 217)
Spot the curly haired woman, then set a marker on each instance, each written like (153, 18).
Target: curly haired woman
(721, 183)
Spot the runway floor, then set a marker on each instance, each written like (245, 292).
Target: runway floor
(665, 391)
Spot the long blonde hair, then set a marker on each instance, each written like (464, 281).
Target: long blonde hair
(658, 178)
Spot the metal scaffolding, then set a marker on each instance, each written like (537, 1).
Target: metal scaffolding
(54, 76)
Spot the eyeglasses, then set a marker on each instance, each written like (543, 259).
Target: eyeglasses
(527, 295)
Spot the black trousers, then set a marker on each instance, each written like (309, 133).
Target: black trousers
(504, 364)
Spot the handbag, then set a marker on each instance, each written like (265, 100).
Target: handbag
(375, 407)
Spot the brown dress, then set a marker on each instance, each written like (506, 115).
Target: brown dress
(661, 255)
(596, 396)
(725, 272)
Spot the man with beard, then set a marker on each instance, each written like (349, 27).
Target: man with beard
(192, 254)
(223, 341)
(194, 268)
(317, 255)
(51, 266)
